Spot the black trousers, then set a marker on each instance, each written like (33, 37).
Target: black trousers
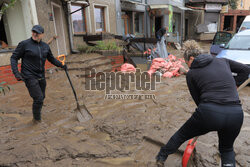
(36, 88)
(225, 119)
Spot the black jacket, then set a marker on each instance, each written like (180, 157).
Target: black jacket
(210, 80)
(33, 56)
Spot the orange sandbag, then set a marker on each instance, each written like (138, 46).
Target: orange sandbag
(170, 66)
(172, 57)
(167, 75)
(159, 60)
(126, 67)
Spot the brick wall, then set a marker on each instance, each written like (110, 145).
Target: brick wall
(7, 75)
(116, 62)
(233, 13)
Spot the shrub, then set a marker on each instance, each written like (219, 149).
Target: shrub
(101, 45)
(85, 48)
(3, 87)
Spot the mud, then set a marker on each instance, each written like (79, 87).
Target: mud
(115, 137)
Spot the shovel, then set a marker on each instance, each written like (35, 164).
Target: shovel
(82, 114)
(192, 142)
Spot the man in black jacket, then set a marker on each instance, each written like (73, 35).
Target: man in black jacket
(214, 91)
(33, 53)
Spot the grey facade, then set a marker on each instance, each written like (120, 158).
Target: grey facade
(162, 16)
(204, 20)
(154, 15)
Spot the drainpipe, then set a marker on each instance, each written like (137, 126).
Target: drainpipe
(70, 30)
(146, 28)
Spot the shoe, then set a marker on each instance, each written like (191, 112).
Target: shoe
(160, 159)
(160, 163)
(35, 121)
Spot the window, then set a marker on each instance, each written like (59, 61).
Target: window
(78, 19)
(239, 42)
(99, 19)
(228, 23)
(139, 22)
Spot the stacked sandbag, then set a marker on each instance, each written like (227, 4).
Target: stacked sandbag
(126, 67)
(169, 67)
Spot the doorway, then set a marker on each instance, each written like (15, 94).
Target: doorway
(59, 30)
(158, 23)
(228, 23)
(2, 32)
(186, 29)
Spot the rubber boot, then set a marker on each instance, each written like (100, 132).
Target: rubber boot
(36, 109)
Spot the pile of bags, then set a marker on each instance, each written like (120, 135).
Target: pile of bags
(126, 67)
(167, 67)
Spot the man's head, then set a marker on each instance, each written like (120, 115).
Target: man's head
(37, 33)
(192, 49)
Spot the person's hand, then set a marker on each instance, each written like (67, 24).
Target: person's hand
(65, 67)
(19, 78)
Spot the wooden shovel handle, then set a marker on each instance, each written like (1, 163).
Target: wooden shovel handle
(244, 84)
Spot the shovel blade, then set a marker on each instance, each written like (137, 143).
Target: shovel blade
(83, 114)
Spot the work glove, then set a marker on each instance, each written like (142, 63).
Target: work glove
(65, 67)
(19, 77)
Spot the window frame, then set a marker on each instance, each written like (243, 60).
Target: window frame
(140, 13)
(104, 18)
(83, 16)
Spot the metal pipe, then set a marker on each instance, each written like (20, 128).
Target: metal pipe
(146, 28)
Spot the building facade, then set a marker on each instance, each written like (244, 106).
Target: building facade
(146, 17)
(167, 13)
(203, 21)
(69, 20)
(131, 17)
(231, 20)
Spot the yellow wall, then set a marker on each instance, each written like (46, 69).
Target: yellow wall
(246, 5)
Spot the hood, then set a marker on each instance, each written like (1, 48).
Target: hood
(241, 56)
(201, 61)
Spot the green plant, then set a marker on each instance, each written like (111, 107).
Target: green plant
(108, 45)
(3, 87)
(233, 4)
(82, 48)
(6, 5)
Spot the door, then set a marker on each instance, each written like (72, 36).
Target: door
(59, 30)
(125, 24)
(219, 38)
(186, 29)
(158, 23)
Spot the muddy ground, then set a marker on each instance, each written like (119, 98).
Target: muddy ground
(115, 137)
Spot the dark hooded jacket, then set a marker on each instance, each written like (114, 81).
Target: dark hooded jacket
(210, 80)
(33, 55)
